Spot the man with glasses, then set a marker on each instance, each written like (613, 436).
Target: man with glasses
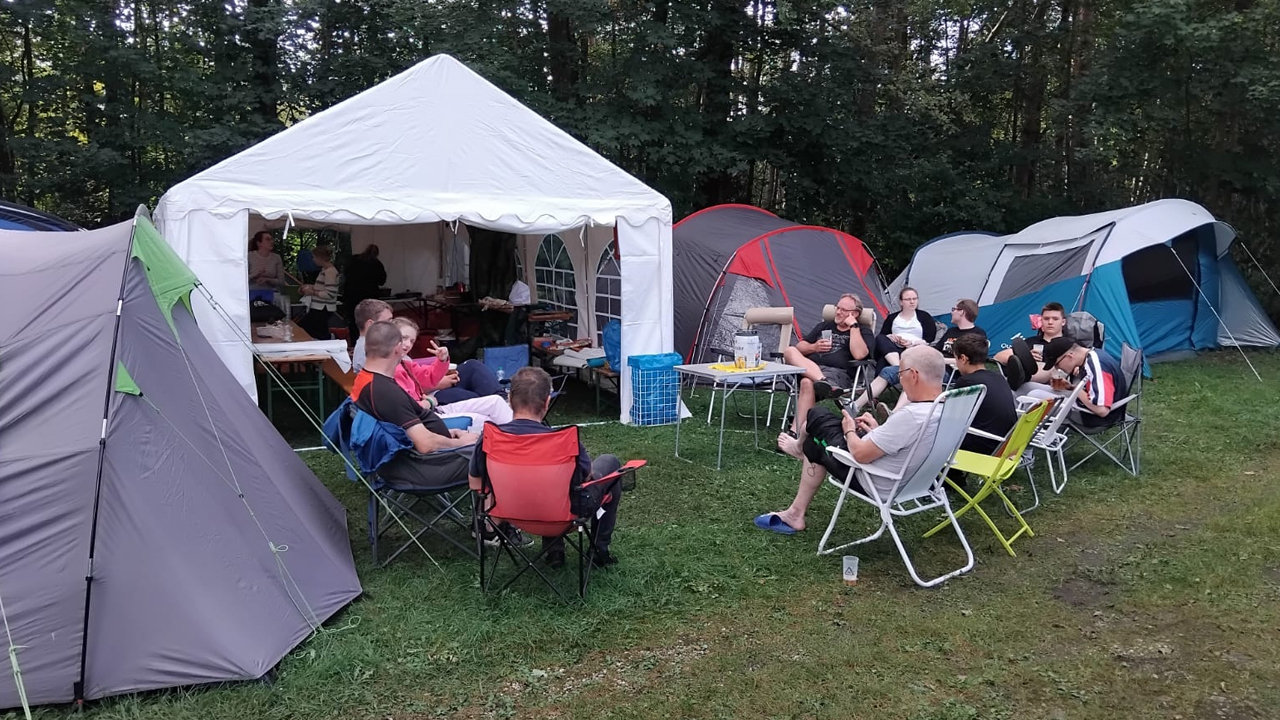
(825, 353)
(883, 448)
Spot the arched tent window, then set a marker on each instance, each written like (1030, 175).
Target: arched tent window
(553, 272)
(608, 289)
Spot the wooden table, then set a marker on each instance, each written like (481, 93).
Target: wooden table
(324, 365)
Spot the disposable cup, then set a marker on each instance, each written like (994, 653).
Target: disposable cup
(850, 569)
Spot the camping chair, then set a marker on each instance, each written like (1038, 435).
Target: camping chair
(995, 469)
(504, 361)
(861, 372)
(1123, 430)
(1052, 439)
(430, 510)
(953, 411)
(784, 319)
(526, 486)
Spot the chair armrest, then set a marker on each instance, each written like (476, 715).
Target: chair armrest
(983, 434)
(843, 456)
(631, 466)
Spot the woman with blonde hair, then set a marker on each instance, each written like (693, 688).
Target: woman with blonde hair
(422, 378)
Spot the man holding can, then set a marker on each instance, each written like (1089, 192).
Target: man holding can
(825, 353)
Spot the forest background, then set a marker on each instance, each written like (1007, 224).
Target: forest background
(896, 121)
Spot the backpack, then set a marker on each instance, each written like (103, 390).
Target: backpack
(1083, 329)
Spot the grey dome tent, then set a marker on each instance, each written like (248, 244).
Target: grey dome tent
(155, 529)
(727, 259)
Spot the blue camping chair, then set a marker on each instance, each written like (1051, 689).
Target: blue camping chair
(368, 444)
(504, 361)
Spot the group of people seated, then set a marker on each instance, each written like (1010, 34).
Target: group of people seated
(910, 353)
(419, 396)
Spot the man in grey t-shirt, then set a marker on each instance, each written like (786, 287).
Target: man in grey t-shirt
(882, 449)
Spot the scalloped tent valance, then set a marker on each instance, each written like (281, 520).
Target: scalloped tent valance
(433, 145)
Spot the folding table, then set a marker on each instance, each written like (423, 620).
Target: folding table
(728, 381)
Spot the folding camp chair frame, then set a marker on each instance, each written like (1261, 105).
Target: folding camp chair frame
(1127, 431)
(1052, 440)
(1010, 457)
(581, 537)
(899, 504)
(403, 504)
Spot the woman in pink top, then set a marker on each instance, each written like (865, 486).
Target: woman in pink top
(421, 379)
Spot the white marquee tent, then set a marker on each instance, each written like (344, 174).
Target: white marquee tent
(401, 165)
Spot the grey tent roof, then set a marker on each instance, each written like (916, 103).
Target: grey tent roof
(215, 549)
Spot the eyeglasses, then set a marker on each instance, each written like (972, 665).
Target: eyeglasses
(901, 371)
(848, 310)
(955, 309)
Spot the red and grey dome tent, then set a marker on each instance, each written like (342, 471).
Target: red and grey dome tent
(729, 258)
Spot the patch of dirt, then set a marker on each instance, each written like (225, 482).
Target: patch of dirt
(1219, 707)
(1272, 574)
(1083, 592)
(1153, 656)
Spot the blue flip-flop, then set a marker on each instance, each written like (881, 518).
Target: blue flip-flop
(773, 523)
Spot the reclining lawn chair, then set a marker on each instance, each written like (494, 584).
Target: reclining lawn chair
(919, 492)
(527, 486)
(1052, 439)
(366, 445)
(994, 470)
(1123, 430)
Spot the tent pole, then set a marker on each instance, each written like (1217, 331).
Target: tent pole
(1259, 266)
(1215, 313)
(78, 689)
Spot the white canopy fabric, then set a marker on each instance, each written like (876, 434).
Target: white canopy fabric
(433, 145)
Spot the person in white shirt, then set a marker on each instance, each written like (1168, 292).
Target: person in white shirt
(881, 448)
(909, 326)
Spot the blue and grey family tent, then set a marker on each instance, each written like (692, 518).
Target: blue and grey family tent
(155, 529)
(1158, 275)
(727, 259)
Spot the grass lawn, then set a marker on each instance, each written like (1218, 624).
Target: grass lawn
(1155, 597)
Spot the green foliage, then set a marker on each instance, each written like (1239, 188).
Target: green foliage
(895, 121)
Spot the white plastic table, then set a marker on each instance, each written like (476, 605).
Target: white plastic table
(728, 381)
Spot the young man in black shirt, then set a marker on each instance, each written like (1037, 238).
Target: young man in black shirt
(376, 392)
(530, 398)
(997, 414)
(825, 353)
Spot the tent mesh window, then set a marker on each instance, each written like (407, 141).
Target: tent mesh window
(553, 272)
(608, 290)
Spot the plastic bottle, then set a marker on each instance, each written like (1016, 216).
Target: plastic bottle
(288, 332)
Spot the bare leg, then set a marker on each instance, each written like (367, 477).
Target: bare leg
(792, 446)
(893, 358)
(878, 386)
(811, 477)
(804, 400)
(1003, 356)
(794, 357)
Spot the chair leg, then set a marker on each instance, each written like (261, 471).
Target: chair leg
(906, 557)
(835, 515)
(1035, 492)
(974, 503)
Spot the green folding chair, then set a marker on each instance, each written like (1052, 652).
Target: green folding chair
(994, 470)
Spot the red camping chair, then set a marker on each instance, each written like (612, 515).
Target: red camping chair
(527, 485)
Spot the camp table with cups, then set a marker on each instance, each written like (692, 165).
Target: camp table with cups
(728, 377)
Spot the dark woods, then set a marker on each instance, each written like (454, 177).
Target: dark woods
(896, 121)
